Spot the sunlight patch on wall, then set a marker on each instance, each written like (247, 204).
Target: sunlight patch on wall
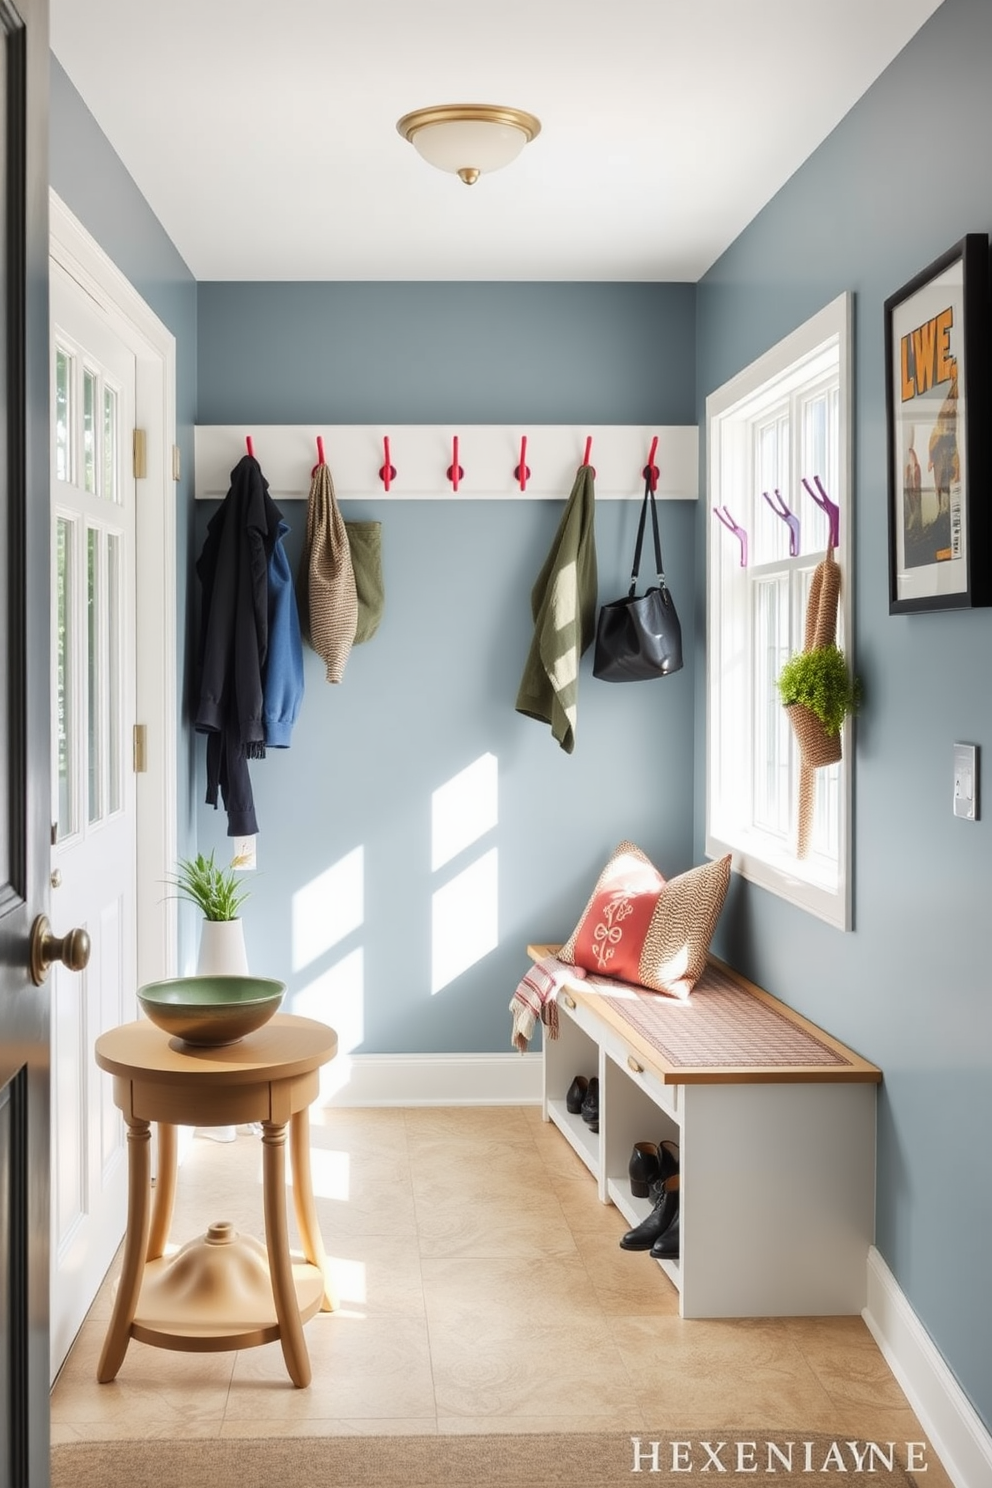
(464, 920)
(337, 997)
(328, 908)
(464, 809)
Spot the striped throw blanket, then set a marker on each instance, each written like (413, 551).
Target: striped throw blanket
(535, 998)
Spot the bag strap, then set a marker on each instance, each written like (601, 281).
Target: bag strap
(659, 568)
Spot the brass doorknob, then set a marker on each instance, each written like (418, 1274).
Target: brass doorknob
(73, 949)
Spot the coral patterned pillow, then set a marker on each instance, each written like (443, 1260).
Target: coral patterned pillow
(638, 928)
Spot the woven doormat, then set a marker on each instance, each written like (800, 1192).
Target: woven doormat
(793, 1459)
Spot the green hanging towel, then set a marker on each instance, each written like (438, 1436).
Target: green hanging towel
(365, 542)
(563, 603)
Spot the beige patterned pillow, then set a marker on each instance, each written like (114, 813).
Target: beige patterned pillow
(638, 928)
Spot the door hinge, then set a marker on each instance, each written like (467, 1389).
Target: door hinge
(140, 748)
(138, 445)
(176, 466)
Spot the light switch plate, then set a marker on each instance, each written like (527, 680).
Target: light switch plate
(966, 781)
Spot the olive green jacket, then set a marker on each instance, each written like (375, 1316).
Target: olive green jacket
(563, 604)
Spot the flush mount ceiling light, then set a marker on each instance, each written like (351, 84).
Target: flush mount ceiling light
(469, 139)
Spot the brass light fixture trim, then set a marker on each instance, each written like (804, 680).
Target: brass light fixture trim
(469, 113)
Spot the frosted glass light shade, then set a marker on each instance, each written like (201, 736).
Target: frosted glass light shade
(468, 139)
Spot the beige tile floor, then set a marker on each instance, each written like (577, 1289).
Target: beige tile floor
(482, 1289)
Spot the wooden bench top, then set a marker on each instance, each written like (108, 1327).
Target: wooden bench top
(728, 1031)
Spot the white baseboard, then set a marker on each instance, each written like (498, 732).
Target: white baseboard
(432, 1080)
(947, 1416)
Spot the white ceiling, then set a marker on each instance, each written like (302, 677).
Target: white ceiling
(263, 135)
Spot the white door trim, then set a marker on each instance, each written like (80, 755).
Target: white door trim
(154, 347)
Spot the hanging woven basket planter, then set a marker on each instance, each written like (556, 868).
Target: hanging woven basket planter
(817, 675)
(816, 747)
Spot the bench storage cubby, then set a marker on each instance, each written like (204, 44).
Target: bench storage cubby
(775, 1122)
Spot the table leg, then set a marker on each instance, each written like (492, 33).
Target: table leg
(294, 1349)
(306, 1212)
(164, 1197)
(139, 1172)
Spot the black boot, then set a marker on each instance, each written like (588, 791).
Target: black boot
(590, 1105)
(665, 1194)
(666, 1247)
(576, 1094)
(643, 1168)
(649, 1162)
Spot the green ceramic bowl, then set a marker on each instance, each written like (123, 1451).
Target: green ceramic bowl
(211, 1010)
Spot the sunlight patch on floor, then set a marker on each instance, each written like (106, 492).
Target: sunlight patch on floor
(330, 1174)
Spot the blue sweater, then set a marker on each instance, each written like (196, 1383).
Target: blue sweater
(283, 685)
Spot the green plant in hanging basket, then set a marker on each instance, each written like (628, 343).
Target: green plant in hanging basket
(820, 680)
(217, 892)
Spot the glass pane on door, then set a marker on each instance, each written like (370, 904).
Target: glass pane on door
(105, 723)
(63, 415)
(115, 723)
(93, 676)
(89, 431)
(67, 760)
(111, 451)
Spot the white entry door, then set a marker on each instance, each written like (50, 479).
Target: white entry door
(94, 833)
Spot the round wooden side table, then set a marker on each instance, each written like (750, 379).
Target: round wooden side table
(222, 1291)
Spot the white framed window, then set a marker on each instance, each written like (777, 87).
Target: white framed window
(784, 419)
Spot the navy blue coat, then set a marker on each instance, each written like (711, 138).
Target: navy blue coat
(234, 633)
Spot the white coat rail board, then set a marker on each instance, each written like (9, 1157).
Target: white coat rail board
(422, 457)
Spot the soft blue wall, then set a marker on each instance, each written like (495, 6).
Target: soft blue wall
(434, 690)
(902, 178)
(89, 177)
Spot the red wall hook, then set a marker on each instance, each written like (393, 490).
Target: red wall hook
(585, 457)
(650, 471)
(454, 471)
(320, 456)
(249, 446)
(522, 471)
(387, 472)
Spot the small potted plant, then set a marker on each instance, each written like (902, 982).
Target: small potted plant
(815, 685)
(219, 895)
(819, 692)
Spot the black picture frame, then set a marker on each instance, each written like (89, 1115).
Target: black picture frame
(936, 407)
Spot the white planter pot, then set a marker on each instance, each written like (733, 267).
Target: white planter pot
(222, 953)
(222, 949)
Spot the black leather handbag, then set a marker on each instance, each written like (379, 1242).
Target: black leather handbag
(639, 637)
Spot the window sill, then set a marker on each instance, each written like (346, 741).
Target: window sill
(788, 879)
